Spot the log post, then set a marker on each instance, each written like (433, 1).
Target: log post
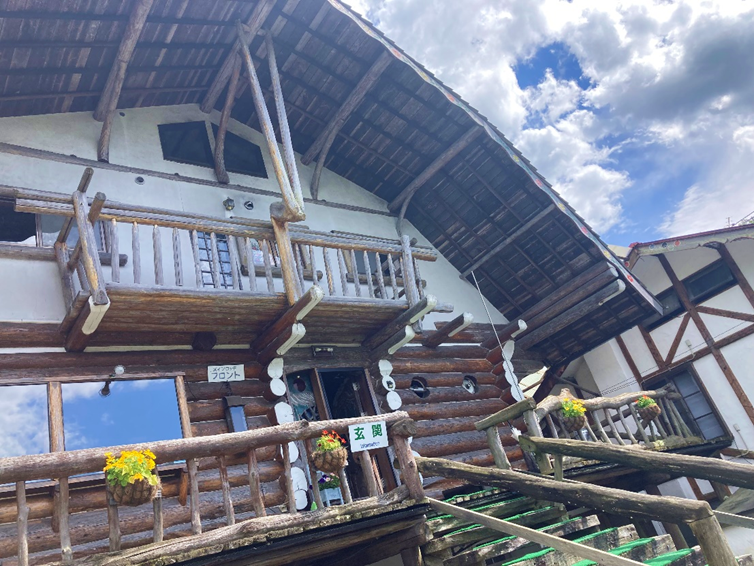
(532, 425)
(89, 253)
(287, 260)
(230, 515)
(368, 473)
(713, 543)
(288, 478)
(448, 330)
(183, 413)
(23, 524)
(409, 470)
(345, 488)
(157, 528)
(57, 444)
(113, 523)
(496, 447)
(313, 475)
(409, 277)
(257, 501)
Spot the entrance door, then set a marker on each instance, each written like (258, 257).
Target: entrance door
(340, 394)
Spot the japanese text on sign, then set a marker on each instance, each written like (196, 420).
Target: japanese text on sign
(217, 374)
(367, 436)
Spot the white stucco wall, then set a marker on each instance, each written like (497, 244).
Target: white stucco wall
(135, 143)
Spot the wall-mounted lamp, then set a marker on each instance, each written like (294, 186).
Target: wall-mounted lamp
(117, 371)
(105, 391)
(229, 204)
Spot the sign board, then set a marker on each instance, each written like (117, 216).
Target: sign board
(220, 374)
(367, 436)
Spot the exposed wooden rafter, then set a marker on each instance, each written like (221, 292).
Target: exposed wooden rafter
(448, 330)
(326, 138)
(507, 241)
(253, 25)
(222, 128)
(108, 102)
(456, 147)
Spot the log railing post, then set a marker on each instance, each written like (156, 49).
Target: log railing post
(257, 500)
(287, 260)
(89, 252)
(409, 276)
(157, 528)
(23, 523)
(113, 523)
(532, 425)
(408, 467)
(496, 447)
(713, 543)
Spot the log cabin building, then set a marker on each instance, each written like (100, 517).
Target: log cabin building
(270, 204)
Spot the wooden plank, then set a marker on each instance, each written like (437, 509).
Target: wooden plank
(508, 414)
(708, 338)
(220, 171)
(253, 25)
(563, 545)
(108, 102)
(440, 161)
(725, 313)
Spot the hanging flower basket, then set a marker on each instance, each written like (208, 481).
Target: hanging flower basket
(330, 456)
(648, 409)
(573, 414)
(130, 478)
(573, 424)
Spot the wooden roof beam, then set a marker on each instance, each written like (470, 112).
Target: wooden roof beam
(220, 171)
(108, 102)
(528, 225)
(326, 136)
(459, 145)
(253, 25)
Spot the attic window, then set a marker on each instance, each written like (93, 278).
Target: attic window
(17, 227)
(186, 142)
(242, 156)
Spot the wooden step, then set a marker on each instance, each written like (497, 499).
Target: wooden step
(602, 540)
(501, 547)
(502, 509)
(683, 557)
(642, 550)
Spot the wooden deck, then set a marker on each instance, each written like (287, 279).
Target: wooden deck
(170, 316)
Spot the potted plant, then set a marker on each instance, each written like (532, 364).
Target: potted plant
(330, 456)
(573, 414)
(130, 478)
(649, 410)
(328, 481)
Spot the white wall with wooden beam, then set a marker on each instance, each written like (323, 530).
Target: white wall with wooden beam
(136, 152)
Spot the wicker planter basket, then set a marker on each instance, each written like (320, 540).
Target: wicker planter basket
(330, 461)
(650, 412)
(572, 424)
(133, 494)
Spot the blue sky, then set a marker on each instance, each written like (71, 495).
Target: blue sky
(639, 112)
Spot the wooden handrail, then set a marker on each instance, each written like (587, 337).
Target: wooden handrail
(697, 514)
(712, 469)
(533, 535)
(65, 464)
(553, 403)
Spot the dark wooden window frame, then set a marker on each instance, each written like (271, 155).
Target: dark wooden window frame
(689, 368)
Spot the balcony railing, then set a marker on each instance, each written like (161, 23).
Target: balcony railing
(229, 450)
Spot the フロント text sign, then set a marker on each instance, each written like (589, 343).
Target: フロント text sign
(367, 436)
(225, 373)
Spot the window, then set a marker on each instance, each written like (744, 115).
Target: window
(133, 412)
(17, 227)
(695, 408)
(41, 230)
(706, 283)
(186, 143)
(242, 156)
(205, 260)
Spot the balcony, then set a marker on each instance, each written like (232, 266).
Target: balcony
(181, 275)
(219, 494)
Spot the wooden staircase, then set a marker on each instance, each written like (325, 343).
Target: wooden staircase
(456, 542)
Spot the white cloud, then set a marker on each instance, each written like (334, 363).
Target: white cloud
(677, 78)
(23, 420)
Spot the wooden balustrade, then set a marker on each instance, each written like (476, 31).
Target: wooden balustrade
(230, 255)
(224, 447)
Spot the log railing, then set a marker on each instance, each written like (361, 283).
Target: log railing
(696, 514)
(171, 249)
(62, 465)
